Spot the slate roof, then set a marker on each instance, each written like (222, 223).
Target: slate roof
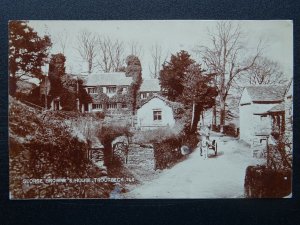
(106, 79)
(150, 85)
(266, 93)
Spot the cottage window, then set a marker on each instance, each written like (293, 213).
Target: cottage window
(124, 105)
(111, 90)
(156, 115)
(91, 90)
(112, 105)
(124, 89)
(97, 106)
(144, 95)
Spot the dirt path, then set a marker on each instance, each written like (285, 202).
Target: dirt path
(219, 176)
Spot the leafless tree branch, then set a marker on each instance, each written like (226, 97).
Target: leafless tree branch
(87, 48)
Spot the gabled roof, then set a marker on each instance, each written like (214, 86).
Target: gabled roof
(266, 93)
(106, 79)
(150, 85)
(173, 105)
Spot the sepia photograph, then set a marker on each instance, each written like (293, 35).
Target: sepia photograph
(150, 109)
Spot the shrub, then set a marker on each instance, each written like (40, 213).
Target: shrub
(279, 155)
(230, 130)
(167, 151)
(87, 125)
(263, 182)
(156, 135)
(100, 115)
(215, 128)
(42, 145)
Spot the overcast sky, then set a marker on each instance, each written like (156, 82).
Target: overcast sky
(173, 36)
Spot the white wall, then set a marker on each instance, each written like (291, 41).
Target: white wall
(246, 128)
(145, 114)
(246, 113)
(253, 124)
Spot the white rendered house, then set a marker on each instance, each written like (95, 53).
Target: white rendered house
(157, 112)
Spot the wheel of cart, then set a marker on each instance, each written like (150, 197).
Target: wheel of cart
(216, 148)
(213, 146)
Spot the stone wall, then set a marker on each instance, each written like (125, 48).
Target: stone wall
(141, 161)
(141, 155)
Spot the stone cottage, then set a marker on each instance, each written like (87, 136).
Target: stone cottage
(109, 92)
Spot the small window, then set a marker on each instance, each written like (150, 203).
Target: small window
(124, 89)
(91, 90)
(111, 90)
(157, 115)
(143, 95)
(97, 106)
(112, 105)
(124, 105)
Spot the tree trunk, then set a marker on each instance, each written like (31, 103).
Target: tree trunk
(222, 114)
(90, 62)
(197, 113)
(193, 115)
(214, 119)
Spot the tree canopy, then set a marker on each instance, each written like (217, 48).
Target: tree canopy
(183, 80)
(27, 52)
(56, 71)
(198, 87)
(172, 75)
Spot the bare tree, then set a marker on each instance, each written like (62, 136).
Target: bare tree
(225, 59)
(104, 48)
(265, 71)
(87, 48)
(135, 49)
(111, 54)
(61, 40)
(158, 59)
(117, 55)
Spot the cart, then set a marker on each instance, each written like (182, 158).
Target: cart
(213, 145)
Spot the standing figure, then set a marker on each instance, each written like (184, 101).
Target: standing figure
(204, 131)
(200, 139)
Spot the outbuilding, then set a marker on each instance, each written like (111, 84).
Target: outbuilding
(255, 102)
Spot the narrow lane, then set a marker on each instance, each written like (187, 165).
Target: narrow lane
(219, 176)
